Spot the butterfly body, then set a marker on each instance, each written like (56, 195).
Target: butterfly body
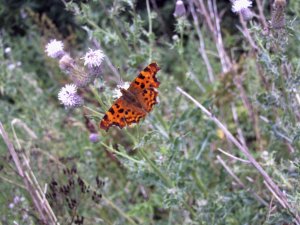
(135, 102)
(128, 96)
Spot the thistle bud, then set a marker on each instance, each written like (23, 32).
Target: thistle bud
(66, 63)
(278, 17)
(179, 9)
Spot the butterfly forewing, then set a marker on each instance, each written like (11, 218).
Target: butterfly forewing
(124, 111)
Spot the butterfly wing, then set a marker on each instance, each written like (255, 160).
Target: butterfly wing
(147, 98)
(122, 113)
(143, 86)
(146, 79)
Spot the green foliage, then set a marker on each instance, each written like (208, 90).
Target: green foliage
(163, 170)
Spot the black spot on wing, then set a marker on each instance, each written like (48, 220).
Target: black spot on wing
(147, 69)
(111, 110)
(141, 76)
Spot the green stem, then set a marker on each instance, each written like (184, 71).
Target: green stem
(95, 112)
(121, 154)
(123, 214)
(116, 28)
(191, 210)
(95, 26)
(165, 179)
(95, 92)
(199, 183)
(286, 98)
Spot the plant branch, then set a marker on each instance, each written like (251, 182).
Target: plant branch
(201, 43)
(246, 152)
(45, 212)
(241, 184)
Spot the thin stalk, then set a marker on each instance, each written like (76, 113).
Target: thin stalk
(90, 109)
(165, 179)
(274, 187)
(241, 184)
(286, 99)
(121, 154)
(199, 183)
(94, 91)
(150, 30)
(116, 28)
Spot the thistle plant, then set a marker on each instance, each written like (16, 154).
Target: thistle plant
(79, 75)
(221, 147)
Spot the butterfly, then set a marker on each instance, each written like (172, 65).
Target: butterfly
(135, 102)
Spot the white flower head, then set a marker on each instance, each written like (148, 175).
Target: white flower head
(11, 205)
(55, 49)
(93, 58)
(7, 50)
(68, 96)
(11, 66)
(239, 5)
(117, 92)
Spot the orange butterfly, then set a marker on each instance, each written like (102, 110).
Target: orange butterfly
(135, 102)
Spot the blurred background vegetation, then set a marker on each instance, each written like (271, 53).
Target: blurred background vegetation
(167, 169)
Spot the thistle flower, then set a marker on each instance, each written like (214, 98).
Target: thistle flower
(68, 96)
(239, 5)
(179, 9)
(7, 50)
(242, 7)
(55, 49)
(94, 137)
(11, 205)
(117, 92)
(93, 58)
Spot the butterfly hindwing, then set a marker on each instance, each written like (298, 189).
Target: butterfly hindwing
(147, 98)
(121, 113)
